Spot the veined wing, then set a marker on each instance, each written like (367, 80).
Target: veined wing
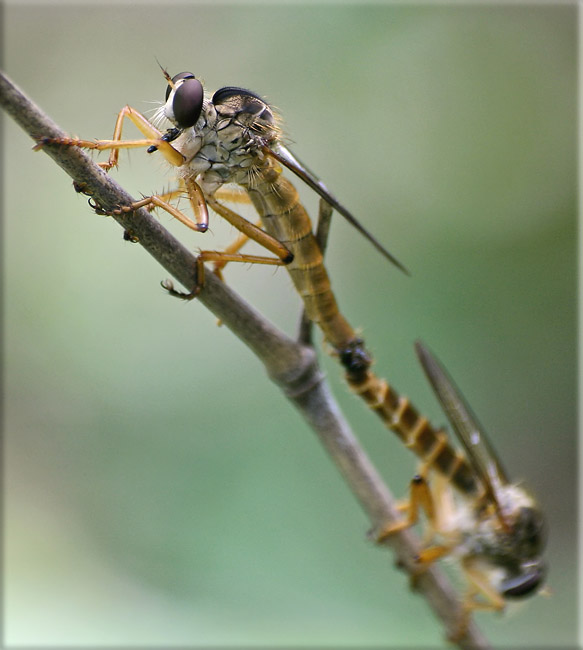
(289, 160)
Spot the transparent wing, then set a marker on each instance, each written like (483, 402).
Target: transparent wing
(471, 434)
(287, 158)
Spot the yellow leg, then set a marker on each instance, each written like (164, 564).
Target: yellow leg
(252, 231)
(155, 201)
(153, 135)
(221, 258)
(192, 190)
(420, 497)
(249, 231)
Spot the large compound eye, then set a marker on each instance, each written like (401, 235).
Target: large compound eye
(187, 103)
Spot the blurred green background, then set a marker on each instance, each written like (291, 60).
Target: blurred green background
(159, 490)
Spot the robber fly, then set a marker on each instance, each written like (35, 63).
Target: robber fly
(233, 138)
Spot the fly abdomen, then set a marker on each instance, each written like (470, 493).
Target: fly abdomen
(431, 445)
(284, 217)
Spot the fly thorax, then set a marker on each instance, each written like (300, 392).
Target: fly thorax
(224, 150)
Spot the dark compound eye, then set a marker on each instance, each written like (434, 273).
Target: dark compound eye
(524, 584)
(187, 100)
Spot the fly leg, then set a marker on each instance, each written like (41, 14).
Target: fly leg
(219, 257)
(253, 232)
(154, 138)
(419, 498)
(250, 231)
(188, 187)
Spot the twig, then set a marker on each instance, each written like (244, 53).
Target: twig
(292, 366)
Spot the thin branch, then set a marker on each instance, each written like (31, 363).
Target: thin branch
(292, 366)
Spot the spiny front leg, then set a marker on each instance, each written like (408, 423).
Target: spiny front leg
(195, 195)
(189, 187)
(154, 139)
(153, 136)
